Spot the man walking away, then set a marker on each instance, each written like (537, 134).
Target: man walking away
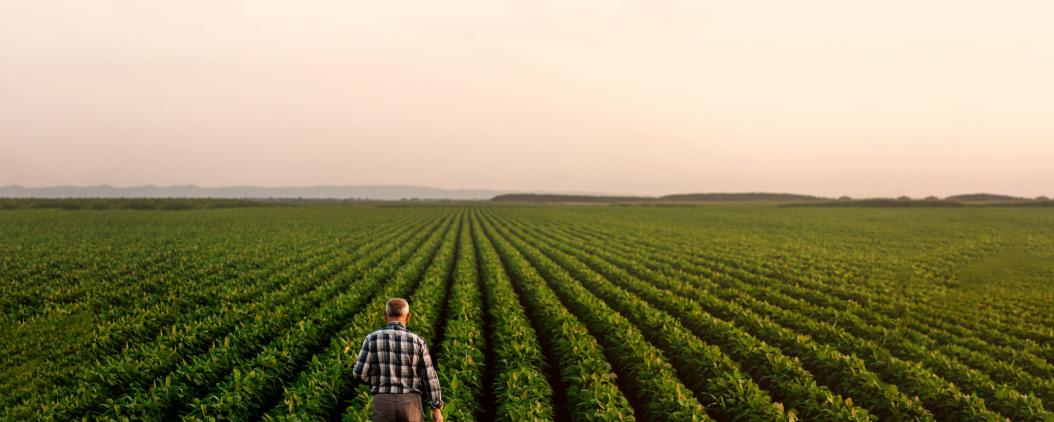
(395, 363)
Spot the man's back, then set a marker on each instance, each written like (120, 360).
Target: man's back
(390, 359)
(395, 361)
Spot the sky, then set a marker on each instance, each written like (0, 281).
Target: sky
(825, 97)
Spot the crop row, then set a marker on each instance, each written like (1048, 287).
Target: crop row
(655, 390)
(516, 367)
(139, 364)
(1003, 398)
(461, 355)
(784, 377)
(917, 380)
(197, 376)
(586, 387)
(255, 383)
(319, 390)
(198, 292)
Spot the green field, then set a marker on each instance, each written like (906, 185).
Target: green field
(579, 312)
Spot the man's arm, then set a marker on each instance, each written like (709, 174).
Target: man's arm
(361, 371)
(430, 382)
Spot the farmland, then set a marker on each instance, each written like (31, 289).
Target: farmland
(589, 312)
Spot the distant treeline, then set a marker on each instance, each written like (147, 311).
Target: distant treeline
(987, 197)
(747, 196)
(790, 200)
(881, 203)
(166, 204)
(685, 197)
(950, 202)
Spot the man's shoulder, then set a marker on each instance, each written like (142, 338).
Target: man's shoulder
(396, 332)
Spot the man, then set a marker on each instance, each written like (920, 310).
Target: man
(395, 363)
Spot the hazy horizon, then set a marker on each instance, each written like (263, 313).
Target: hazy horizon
(646, 98)
(417, 191)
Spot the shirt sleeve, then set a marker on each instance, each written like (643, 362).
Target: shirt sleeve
(431, 380)
(361, 371)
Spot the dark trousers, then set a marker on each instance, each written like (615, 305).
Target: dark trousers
(397, 408)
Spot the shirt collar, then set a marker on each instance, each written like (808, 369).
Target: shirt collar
(396, 325)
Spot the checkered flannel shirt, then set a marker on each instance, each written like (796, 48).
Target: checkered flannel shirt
(394, 360)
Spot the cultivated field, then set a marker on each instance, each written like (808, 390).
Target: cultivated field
(715, 312)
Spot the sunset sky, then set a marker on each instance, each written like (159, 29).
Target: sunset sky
(826, 97)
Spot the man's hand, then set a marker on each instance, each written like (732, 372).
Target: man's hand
(437, 415)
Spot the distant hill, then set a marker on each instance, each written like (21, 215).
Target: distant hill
(984, 197)
(165, 204)
(748, 196)
(374, 192)
(686, 197)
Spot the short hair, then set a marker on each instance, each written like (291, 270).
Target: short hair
(396, 307)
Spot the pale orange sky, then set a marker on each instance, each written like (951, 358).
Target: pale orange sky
(825, 97)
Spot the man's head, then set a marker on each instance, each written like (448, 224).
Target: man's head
(397, 309)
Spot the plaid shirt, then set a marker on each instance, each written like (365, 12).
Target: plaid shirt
(395, 360)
